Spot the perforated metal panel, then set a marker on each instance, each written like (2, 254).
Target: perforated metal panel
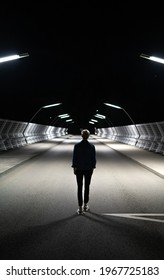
(14, 134)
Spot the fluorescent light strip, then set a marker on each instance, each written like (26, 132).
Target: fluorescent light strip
(12, 57)
(153, 58)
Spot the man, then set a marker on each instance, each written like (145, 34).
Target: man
(83, 163)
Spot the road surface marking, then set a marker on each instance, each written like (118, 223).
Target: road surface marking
(138, 216)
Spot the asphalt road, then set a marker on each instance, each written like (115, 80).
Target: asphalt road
(38, 203)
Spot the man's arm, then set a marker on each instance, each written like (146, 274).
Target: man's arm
(94, 157)
(74, 160)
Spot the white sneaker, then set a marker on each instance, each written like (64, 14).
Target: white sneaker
(86, 207)
(80, 210)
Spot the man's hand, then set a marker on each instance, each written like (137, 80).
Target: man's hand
(74, 170)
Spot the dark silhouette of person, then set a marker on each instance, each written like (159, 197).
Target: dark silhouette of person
(83, 163)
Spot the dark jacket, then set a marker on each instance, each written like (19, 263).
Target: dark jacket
(84, 156)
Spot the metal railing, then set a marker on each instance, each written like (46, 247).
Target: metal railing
(151, 135)
(12, 133)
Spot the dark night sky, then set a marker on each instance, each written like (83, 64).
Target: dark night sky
(82, 56)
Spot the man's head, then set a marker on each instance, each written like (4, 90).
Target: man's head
(85, 134)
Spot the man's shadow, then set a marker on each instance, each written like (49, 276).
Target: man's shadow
(14, 245)
(53, 240)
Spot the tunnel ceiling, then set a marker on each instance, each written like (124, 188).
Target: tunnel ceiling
(82, 58)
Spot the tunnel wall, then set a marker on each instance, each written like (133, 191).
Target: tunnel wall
(149, 136)
(14, 134)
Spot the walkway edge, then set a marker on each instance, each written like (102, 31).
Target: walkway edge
(144, 165)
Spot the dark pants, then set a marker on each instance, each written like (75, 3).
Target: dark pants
(80, 174)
